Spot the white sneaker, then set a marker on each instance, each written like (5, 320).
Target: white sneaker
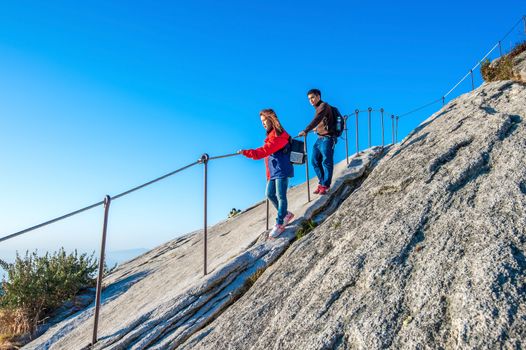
(276, 231)
(288, 218)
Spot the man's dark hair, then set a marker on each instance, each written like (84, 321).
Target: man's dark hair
(314, 91)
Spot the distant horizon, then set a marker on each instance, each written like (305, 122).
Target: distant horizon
(112, 257)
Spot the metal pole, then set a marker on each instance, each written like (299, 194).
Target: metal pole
(472, 81)
(369, 125)
(443, 100)
(267, 212)
(107, 202)
(346, 140)
(397, 128)
(524, 20)
(307, 167)
(393, 128)
(204, 159)
(382, 118)
(500, 48)
(357, 145)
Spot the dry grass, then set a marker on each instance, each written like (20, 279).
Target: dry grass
(502, 69)
(255, 276)
(14, 322)
(14, 327)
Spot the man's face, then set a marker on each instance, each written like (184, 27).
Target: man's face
(313, 99)
(266, 123)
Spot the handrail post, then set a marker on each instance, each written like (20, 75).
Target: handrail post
(382, 119)
(524, 20)
(306, 166)
(443, 100)
(107, 202)
(204, 160)
(500, 48)
(267, 212)
(472, 81)
(356, 112)
(346, 140)
(369, 124)
(397, 117)
(393, 128)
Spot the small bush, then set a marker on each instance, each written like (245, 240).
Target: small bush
(38, 284)
(233, 212)
(306, 227)
(502, 68)
(499, 70)
(517, 50)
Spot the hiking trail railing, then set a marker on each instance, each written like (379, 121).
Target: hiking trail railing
(205, 159)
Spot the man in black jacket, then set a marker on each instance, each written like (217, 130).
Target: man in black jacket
(323, 150)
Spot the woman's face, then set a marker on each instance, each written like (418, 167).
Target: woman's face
(266, 123)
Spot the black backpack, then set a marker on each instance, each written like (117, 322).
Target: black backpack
(335, 124)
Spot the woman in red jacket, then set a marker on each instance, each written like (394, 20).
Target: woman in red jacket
(276, 151)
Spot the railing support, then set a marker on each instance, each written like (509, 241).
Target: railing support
(500, 48)
(204, 160)
(107, 202)
(346, 139)
(306, 166)
(443, 100)
(382, 122)
(472, 80)
(396, 133)
(524, 21)
(393, 128)
(267, 212)
(356, 112)
(369, 124)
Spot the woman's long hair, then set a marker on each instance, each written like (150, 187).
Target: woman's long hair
(269, 114)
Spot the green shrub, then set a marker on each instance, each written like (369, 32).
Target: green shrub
(38, 284)
(306, 227)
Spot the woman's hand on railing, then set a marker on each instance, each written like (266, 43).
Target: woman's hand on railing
(302, 133)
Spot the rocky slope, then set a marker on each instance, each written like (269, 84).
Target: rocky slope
(429, 253)
(161, 298)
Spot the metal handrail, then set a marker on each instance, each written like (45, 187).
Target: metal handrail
(5, 238)
(470, 72)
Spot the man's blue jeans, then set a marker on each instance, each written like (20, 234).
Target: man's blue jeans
(277, 194)
(323, 159)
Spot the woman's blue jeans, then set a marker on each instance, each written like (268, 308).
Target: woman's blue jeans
(277, 195)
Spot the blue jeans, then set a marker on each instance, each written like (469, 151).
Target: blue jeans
(279, 187)
(323, 159)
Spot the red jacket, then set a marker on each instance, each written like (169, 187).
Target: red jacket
(273, 143)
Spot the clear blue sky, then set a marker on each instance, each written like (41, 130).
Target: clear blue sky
(101, 96)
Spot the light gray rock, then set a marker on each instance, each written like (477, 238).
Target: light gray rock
(428, 253)
(161, 298)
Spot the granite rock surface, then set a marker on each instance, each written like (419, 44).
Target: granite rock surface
(428, 253)
(161, 298)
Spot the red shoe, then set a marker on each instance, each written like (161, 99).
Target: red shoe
(317, 190)
(323, 190)
(288, 218)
